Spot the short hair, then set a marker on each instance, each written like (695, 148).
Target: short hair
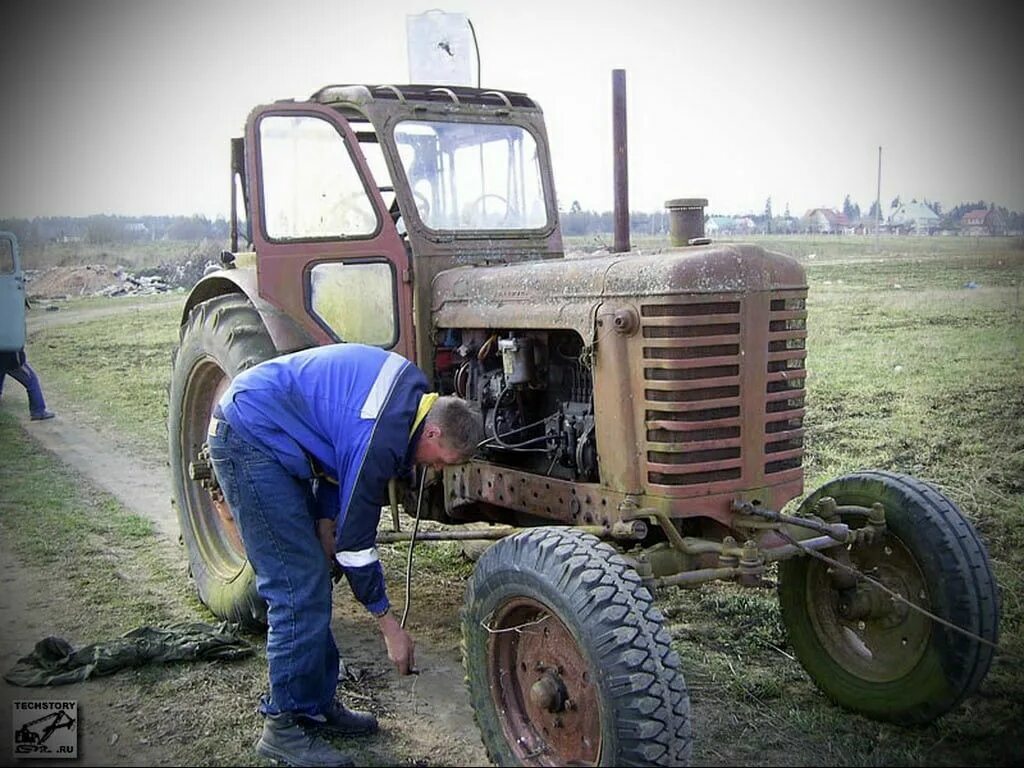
(461, 425)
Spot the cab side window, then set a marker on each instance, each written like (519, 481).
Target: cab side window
(311, 188)
(356, 301)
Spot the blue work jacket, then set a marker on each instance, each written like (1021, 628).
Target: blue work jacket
(344, 411)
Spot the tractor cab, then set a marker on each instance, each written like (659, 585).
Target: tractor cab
(350, 193)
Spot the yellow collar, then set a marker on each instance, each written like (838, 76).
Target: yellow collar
(426, 403)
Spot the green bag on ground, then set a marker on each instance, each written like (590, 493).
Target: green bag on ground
(55, 662)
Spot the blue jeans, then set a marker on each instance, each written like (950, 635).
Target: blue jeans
(25, 376)
(275, 514)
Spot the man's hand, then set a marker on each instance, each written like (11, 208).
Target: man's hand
(400, 644)
(325, 528)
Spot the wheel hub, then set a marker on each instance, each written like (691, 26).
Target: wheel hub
(549, 693)
(870, 603)
(543, 686)
(872, 634)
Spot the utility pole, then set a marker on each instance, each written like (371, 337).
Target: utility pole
(878, 197)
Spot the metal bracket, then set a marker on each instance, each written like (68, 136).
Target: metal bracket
(201, 471)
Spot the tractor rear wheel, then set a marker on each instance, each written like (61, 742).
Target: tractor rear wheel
(566, 658)
(873, 654)
(222, 337)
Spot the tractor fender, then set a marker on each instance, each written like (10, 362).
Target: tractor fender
(287, 335)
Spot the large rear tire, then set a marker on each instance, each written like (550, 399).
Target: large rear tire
(889, 662)
(223, 336)
(566, 658)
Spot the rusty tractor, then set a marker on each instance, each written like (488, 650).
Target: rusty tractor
(644, 418)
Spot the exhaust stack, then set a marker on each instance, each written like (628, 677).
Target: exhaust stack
(621, 164)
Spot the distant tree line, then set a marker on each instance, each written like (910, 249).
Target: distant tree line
(577, 221)
(104, 229)
(109, 230)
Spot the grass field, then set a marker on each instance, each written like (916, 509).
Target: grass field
(916, 364)
(117, 367)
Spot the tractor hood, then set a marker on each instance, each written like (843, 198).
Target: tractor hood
(565, 293)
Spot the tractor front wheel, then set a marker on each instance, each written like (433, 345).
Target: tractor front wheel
(872, 653)
(566, 658)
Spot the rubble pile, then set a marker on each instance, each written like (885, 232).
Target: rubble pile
(69, 282)
(131, 285)
(101, 280)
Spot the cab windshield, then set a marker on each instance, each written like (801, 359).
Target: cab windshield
(468, 176)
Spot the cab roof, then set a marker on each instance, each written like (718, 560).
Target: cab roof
(362, 95)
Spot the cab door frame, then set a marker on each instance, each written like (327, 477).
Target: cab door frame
(284, 266)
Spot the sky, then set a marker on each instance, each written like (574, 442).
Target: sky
(127, 107)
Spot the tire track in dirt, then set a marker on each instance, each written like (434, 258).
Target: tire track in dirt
(139, 483)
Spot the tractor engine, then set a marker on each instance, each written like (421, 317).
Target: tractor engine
(535, 392)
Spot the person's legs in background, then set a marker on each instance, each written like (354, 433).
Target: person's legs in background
(27, 377)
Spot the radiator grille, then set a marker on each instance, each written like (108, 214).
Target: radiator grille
(691, 357)
(711, 385)
(784, 388)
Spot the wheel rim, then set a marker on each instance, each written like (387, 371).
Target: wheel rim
(874, 637)
(217, 535)
(542, 687)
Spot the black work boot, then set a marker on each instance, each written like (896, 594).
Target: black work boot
(342, 721)
(285, 740)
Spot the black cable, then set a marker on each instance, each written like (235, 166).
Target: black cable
(477, 46)
(501, 443)
(412, 543)
(510, 446)
(521, 429)
(527, 450)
